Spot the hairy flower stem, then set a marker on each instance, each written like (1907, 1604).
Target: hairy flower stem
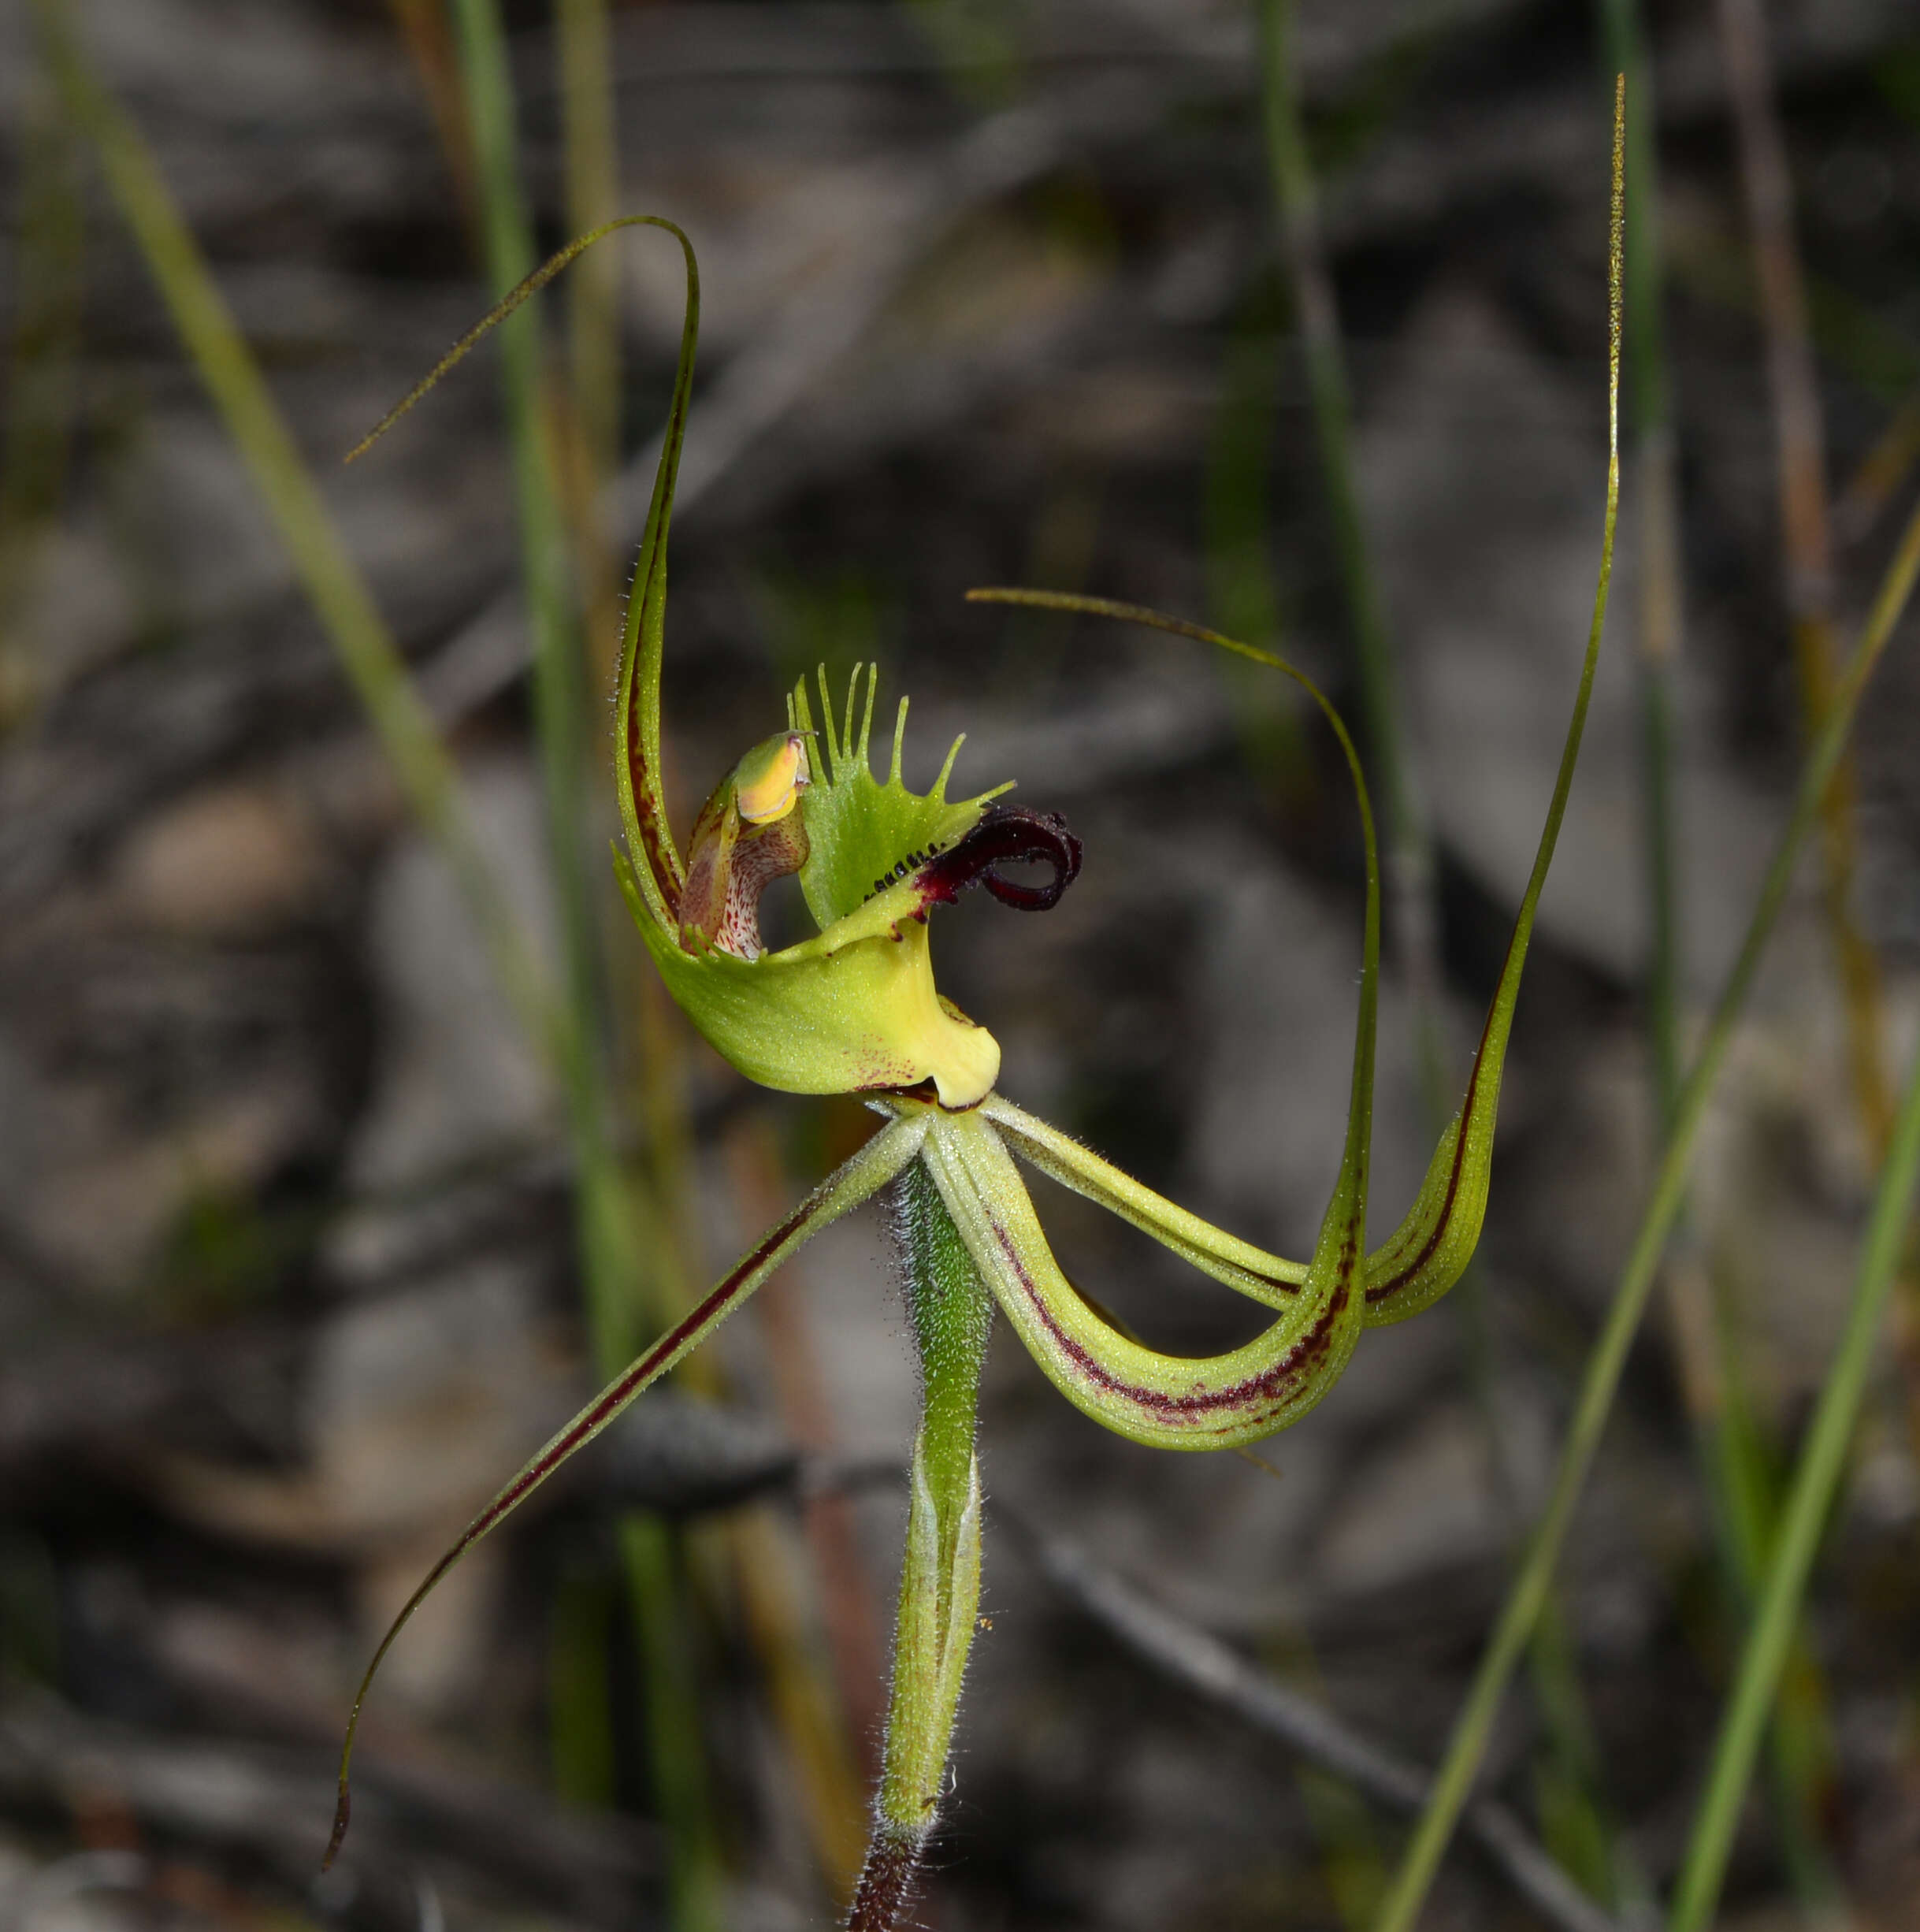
(940, 1582)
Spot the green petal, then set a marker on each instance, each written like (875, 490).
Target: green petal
(1247, 1269)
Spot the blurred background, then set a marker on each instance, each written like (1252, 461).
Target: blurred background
(1299, 331)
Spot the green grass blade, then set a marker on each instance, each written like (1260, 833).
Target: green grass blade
(1816, 1482)
(332, 582)
(1242, 597)
(560, 712)
(41, 387)
(1332, 405)
(558, 684)
(583, 34)
(1727, 1446)
(1454, 1782)
(613, 1270)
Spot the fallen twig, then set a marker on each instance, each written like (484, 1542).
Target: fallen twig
(1201, 1663)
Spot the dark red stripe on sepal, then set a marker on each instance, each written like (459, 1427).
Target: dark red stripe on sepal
(578, 1433)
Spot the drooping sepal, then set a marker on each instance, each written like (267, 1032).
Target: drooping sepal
(855, 1181)
(1429, 1250)
(1168, 1402)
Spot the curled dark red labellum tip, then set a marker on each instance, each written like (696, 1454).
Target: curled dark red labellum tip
(1006, 834)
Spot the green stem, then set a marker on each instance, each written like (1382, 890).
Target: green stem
(1409, 857)
(582, 1745)
(953, 1316)
(1728, 1448)
(1332, 405)
(605, 1207)
(560, 694)
(1658, 787)
(41, 383)
(1454, 1783)
(650, 1550)
(1815, 1484)
(1242, 596)
(325, 568)
(584, 43)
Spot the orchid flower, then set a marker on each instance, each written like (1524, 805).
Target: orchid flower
(855, 1009)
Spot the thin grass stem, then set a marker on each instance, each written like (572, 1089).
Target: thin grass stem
(558, 684)
(425, 27)
(1881, 473)
(1409, 855)
(1318, 316)
(581, 1741)
(1454, 1785)
(332, 582)
(1731, 1457)
(1807, 540)
(590, 420)
(1816, 1484)
(42, 390)
(613, 1271)
(1241, 595)
(586, 49)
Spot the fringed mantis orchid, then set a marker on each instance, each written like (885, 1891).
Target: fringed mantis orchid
(854, 1009)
